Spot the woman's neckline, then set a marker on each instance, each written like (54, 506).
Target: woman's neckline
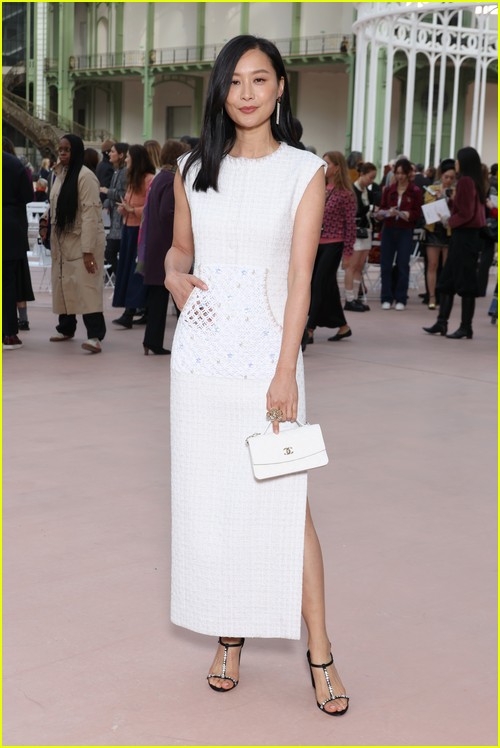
(256, 158)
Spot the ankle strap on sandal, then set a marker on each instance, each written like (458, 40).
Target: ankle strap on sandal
(326, 664)
(224, 644)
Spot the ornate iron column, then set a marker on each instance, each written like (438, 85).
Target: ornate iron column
(442, 41)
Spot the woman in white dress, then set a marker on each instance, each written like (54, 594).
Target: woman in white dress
(246, 561)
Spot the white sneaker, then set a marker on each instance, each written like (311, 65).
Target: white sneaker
(93, 345)
(400, 307)
(386, 305)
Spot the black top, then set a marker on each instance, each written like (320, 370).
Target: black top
(17, 192)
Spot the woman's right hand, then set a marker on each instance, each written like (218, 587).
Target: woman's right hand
(181, 285)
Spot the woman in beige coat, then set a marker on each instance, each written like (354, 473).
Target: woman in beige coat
(77, 245)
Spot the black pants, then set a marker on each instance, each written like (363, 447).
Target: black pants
(326, 306)
(111, 253)
(94, 323)
(460, 269)
(10, 270)
(486, 256)
(156, 303)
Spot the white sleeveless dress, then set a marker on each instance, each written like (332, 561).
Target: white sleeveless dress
(237, 543)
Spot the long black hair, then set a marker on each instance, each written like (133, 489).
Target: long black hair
(67, 202)
(218, 132)
(470, 166)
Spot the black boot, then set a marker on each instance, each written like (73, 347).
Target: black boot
(445, 307)
(465, 329)
(126, 319)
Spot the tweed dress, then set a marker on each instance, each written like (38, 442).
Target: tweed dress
(237, 543)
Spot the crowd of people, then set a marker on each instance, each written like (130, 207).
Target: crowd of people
(457, 245)
(133, 184)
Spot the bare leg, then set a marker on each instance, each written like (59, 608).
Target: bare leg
(360, 256)
(313, 610)
(432, 264)
(232, 664)
(348, 276)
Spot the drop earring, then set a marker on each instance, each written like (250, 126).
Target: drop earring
(278, 108)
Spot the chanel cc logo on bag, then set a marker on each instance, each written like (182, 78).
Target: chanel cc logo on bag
(288, 450)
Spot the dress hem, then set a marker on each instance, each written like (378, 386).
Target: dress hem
(236, 635)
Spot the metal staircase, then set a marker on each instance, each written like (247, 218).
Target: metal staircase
(42, 126)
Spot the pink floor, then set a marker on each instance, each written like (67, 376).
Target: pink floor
(406, 512)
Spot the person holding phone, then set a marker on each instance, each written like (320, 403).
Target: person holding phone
(400, 209)
(129, 287)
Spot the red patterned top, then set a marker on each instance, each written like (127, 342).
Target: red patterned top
(339, 219)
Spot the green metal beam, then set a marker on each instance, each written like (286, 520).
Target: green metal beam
(198, 106)
(200, 25)
(119, 12)
(66, 45)
(244, 18)
(296, 23)
(293, 87)
(350, 66)
(148, 77)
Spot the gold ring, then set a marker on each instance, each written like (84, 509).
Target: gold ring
(274, 414)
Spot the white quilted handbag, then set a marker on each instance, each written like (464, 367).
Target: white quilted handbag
(293, 450)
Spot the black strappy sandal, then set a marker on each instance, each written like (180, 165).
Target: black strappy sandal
(223, 675)
(330, 689)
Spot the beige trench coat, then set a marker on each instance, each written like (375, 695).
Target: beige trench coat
(74, 290)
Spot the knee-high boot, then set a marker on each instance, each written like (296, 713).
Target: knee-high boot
(465, 329)
(441, 325)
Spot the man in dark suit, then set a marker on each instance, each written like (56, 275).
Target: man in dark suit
(104, 170)
(420, 179)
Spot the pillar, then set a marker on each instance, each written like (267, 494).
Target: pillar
(244, 18)
(410, 88)
(373, 94)
(387, 104)
(296, 24)
(148, 77)
(293, 90)
(198, 106)
(350, 103)
(430, 111)
(454, 108)
(118, 46)
(359, 100)
(65, 86)
(200, 29)
(440, 105)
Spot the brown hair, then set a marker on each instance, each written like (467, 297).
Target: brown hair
(154, 149)
(341, 179)
(171, 151)
(140, 165)
(367, 167)
(404, 164)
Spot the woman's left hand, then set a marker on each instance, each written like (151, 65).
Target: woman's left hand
(89, 262)
(283, 394)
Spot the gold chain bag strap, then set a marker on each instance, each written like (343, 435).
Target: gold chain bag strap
(292, 450)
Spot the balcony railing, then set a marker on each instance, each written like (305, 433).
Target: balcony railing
(310, 46)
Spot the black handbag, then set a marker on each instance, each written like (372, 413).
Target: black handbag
(361, 232)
